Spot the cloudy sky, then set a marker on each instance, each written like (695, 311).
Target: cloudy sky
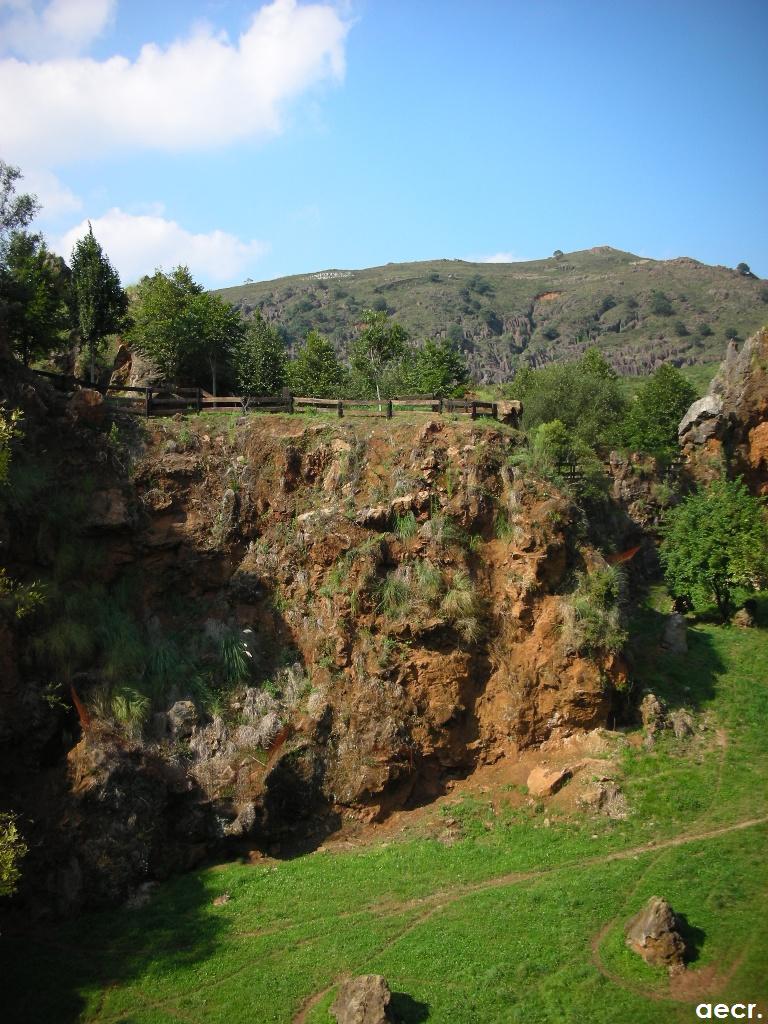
(255, 140)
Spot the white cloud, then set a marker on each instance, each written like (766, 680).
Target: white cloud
(199, 92)
(57, 29)
(499, 257)
(53, 195)
(137, 244)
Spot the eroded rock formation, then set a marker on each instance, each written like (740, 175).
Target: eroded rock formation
(399, 592)
(728, 428)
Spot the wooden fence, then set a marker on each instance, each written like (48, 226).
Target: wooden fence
(168, 401)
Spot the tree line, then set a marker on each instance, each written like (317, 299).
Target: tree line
(188, 333)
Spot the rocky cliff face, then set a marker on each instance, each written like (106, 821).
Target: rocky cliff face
(401, 594)
(728, 428)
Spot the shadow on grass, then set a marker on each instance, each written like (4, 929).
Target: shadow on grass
(682, 680)
(692, 936)
(408, 1010)
(50, 970)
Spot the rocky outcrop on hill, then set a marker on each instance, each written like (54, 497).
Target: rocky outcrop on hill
(727, 430)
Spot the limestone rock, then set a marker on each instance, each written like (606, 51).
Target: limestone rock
(743, 618)
(363, 1000)
(108, 510)
(182, 718)
(87, 406)
(682, 723)
(653, 934)
(605, 797)
(547, 781)
(376, 517)
(705, 410)
(653, 715)
(674, 635)
(509, 412)
(731, 421)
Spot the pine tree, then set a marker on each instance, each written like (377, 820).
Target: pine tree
(99, 303)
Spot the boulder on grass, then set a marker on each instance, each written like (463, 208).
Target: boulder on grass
(547, 781)
(674, 636)
(654, 935)
(363, 1000)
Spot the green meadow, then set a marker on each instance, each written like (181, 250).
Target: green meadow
(518, 921)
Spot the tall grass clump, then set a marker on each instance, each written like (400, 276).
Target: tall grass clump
(592, 618)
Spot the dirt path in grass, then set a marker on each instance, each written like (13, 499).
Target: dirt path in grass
(436, 902)
(450, 896)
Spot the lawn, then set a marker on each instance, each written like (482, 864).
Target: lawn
(515, 922)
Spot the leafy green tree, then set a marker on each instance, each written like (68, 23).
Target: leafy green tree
(558, 453)
(214, 329)
(316, 371)
(376, 353)
(35, 286)
(654, 416)
(660, 304)
(715, 541)
(161, 325)
(12, 849)
(744, 270)
(259, 359)
(98, 301)
(437, 368)
(585, 396)
(16, 211)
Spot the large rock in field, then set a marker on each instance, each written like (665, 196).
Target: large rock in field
(674, 637)
(363, 1000)
(547, 781)
(654, 935)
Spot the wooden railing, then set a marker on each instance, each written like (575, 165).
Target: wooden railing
(168, 401)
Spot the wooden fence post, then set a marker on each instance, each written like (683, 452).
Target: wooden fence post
(340, 408)
(288, 399)
(440, 407)
(199, 399)
(148, 402)
(474, 411)
(389, 409)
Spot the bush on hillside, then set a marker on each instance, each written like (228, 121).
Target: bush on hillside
(653, 418)
(715, 541)
(585, 396)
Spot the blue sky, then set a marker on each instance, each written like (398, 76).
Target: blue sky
(253, 140)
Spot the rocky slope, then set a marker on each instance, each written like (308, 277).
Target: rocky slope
(639, 311)
(728, 428)
(272, 624)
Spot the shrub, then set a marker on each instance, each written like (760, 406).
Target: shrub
(593, 614)
(660, 404)
(406, 526)
(585, 396)
(714, 541)
(660, 304)
(12, 849)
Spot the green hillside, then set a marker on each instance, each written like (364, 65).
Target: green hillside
(639, 311)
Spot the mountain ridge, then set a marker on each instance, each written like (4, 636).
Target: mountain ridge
(639, 311)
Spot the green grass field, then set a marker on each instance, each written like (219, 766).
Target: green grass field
(516, 922)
